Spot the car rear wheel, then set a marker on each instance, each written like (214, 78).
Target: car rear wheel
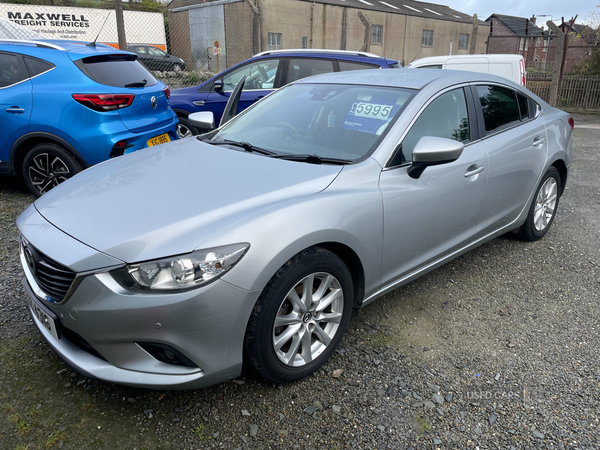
(47, 165)
(185, 128)
(300, 317)
(543, 208)
(177, 67)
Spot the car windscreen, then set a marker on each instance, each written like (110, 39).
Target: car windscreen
(325, 120)
(116, 70)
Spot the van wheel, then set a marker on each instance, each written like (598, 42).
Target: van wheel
(47, 165)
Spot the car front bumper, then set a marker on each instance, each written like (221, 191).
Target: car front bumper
(100, 326)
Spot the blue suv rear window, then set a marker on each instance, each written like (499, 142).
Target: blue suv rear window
(116, 70)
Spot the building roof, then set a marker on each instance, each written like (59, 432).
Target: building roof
(405, 7)
(520, 26)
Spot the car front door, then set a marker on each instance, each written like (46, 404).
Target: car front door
(439, 213)
(517, 145)
(16, 101)
(261, 80)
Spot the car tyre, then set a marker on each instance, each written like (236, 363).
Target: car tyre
(47, 165)
(177, 67)
(543, 208)
(185, 128)
(290, 335)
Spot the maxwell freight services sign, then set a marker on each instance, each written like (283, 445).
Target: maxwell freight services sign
(84, 24)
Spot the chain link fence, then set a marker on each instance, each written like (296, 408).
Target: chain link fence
(185, 42)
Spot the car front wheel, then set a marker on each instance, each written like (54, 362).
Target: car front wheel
(300, 317)
(543, 208)
(47, 165)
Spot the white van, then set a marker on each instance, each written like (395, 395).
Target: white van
(507, 66)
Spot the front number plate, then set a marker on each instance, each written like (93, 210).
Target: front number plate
(158, 140)
(45, 317)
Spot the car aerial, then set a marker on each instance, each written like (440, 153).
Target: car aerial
(255, 241)
(65, 106)
(265, 72)
(156, 59)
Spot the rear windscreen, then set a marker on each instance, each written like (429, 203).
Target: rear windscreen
(116, 70)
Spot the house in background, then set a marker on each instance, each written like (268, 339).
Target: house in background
(512, 35)
(221, 33)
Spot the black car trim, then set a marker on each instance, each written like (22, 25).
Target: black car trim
(50, 136)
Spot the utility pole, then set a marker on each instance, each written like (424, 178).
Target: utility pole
(120, 25)
(473, 48)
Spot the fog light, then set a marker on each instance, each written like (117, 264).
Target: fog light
(166, 354)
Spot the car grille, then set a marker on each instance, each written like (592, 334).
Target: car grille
(52, 278)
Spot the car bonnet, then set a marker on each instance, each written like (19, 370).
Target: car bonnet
(167, 200)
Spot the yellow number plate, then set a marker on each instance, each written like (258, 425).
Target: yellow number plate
(158, 140)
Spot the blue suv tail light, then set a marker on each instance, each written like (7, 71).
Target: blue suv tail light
(104, 102)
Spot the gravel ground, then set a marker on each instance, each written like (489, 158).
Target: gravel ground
(498, 349)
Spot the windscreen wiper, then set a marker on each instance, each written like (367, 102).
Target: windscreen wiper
(137, 84)
(245, 145)
(313, 159)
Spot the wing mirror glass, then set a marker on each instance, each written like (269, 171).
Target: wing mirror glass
(433, 151)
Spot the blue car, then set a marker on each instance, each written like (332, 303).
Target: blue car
(265, 72)
(67, 105)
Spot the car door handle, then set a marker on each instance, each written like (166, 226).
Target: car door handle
(538, 140)
(14, 110)
(474, 170)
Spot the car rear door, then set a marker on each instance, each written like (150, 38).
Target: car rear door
(516, 143)
(16, 101)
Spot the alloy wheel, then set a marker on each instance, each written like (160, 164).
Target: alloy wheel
(545, 204)
(308, 319)
(47, 171)
(183, 131)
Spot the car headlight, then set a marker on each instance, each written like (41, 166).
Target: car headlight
(181, 273)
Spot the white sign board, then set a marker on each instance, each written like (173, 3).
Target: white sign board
(84, 24)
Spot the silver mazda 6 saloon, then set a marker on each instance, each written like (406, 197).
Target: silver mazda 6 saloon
(169, 267)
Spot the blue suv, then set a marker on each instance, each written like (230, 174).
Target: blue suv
(67, 105)
(265, 72)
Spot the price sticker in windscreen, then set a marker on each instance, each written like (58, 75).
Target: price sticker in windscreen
(371, 110)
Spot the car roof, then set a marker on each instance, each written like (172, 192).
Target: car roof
(410, 79)
(76, 49)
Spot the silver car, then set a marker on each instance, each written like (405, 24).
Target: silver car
(167, 268)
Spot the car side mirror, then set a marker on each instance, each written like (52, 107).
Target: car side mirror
(433, 151)
(203, 121)
(218, 85)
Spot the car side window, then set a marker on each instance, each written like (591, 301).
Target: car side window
(156, 52)
(445, 117)
(523, 106)
(259, 75)
(302, 68)
(12, 70)
(347, 65)
(499, 105)
(37, 66)
(433, 66)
